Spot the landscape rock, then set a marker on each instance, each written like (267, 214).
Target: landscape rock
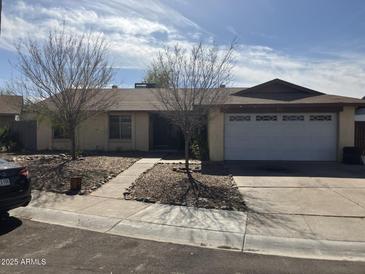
(168, 184)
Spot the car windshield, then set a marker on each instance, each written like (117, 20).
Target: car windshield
(2, 161)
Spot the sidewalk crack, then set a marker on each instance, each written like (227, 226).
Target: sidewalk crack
(343, 196)
(244, 235)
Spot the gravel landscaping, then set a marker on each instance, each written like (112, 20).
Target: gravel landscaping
(52, 172)
(168, 184)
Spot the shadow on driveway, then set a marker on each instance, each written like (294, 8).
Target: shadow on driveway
(295, 169)
(8, 224)
(260, 210)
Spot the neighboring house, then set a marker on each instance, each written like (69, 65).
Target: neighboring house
(276, 120)
(10, 108)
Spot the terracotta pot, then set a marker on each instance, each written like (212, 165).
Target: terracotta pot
(75, 183)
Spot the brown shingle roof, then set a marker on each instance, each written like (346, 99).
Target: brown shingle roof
(281, 92)
(144, 99)
(141, 99)
(10, 104)
(275, 92)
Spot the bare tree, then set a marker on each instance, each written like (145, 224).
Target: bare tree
(190, 85)
(64, 74)
(1, 11)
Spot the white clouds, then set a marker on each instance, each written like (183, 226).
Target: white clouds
(339, 75)
(137, 30)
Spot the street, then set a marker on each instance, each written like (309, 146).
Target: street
(34, 247)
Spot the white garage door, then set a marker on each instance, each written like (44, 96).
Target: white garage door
(283, 136)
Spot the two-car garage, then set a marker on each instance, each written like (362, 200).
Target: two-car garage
(280, 136)
(278, 120)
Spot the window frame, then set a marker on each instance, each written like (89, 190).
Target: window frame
(239, 118)
(320, 118)
(293, 118)
(63, 136)
(120, 125)
(266, 118)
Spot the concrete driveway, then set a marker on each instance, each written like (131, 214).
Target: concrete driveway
(323, 200)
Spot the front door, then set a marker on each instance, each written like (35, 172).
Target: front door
(165, 136)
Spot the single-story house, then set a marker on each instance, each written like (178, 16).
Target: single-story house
(276, 120)
(10, 108)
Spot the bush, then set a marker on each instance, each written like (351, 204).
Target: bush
(195, 150)
(9, 141)
(199, 149)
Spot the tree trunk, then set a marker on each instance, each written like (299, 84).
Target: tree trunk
(193, 185)
(187, 156)
(73, 143)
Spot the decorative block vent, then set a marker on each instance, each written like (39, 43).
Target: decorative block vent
(293, 117)
(266, 118)
(238, 118)
(320, 118)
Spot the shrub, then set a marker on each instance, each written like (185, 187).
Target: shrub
(195, 150)
(199, 148)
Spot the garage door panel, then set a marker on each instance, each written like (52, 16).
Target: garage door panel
(306, 139)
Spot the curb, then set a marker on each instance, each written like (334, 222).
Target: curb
(258, 244)
(305, 248)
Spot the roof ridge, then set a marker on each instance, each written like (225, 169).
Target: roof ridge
(280, 81)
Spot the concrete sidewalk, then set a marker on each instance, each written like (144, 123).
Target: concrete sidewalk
(237, 231)
(202, 227)
(292, 235)
(116, 186)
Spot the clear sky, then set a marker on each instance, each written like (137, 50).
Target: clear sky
(316, 43)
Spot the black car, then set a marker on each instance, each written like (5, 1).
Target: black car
(14, 186)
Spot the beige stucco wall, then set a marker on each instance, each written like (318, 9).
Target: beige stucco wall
(346, 129)
(44, 135)
(216, 135)
(93, 134)
(142, 127)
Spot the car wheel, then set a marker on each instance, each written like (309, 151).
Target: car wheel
(4, 215)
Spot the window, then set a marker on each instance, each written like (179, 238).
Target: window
(59, 133)
(234, 118)
(293, 117)
(120, 127)
(320, 118)
(266, 118)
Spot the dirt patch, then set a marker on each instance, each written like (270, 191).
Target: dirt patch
(52, 172)
(167, 184)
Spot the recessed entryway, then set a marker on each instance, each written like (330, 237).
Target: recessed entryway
(164, 135)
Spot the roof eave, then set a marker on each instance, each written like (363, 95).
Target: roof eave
(305, 107)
